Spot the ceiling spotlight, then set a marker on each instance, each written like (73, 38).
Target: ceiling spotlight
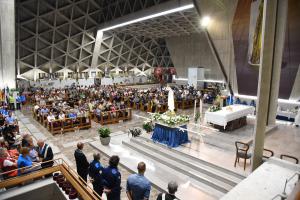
(205, 21)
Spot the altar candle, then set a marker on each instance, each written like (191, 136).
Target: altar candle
(195, 108)
(200, 107)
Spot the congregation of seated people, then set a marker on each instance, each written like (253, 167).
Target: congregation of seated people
(110, 98)
(23, 154)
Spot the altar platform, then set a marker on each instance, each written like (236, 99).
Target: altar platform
(170, 136)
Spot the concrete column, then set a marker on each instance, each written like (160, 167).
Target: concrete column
(282, 11)
(99, 39)
(272, 46)
(7, 44)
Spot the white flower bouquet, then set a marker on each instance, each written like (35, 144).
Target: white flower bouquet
(170, 120)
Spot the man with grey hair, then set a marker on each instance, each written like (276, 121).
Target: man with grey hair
(45, 153)
(172, 188)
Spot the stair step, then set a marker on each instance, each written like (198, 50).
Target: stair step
(201, 177)
(221, 175)
(230, 174)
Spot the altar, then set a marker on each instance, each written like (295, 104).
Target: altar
(170, 136)
(229, 117)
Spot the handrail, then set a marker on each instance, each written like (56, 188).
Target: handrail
(283, 195)
(81, 186)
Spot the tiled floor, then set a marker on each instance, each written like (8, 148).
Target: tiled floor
(216, 147)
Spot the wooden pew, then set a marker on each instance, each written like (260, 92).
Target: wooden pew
(110, 117)
(55, 126)
(69, 124)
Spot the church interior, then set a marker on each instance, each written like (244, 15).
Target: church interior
(150, 99)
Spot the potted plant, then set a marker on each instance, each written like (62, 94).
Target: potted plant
(104, 134)
(147, 126)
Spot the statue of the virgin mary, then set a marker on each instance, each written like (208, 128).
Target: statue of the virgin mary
(171, 105)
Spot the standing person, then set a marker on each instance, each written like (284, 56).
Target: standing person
(172, 188)
(138, 186)
(112, 179)
(45, 154)
(81, 162)
(95, 172)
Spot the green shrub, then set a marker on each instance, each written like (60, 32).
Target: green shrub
(104, 132)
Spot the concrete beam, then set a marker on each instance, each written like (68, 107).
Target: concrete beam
(265, 74)
(281, 22)
(7, 44)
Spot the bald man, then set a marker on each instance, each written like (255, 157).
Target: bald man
(81, 162)
(45, 153)
(138, 186)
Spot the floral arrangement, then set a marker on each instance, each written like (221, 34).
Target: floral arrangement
(148, 126)
(170, 119)
(214, 108)
(135, 132)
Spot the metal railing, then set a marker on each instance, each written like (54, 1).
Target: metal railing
(283, 195)
(80, 185)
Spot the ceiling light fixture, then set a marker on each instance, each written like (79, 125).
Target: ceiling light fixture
(181, 8)
(205, 21)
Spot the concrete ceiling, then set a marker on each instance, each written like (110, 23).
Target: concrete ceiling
(180, 23)
(56, 34)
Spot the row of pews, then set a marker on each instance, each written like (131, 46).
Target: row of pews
(147, 107)
(112, 117)
(63, 125)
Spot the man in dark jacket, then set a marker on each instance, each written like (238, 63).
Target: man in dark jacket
(81, 162)
(45, 154)
(95, 172)
(112, 179)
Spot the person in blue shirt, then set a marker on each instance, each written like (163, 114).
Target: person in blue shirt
(112, 179)
(10, 120)
(72, 115)
(18, 101)
(24, 161)
(44, 110)
(138, 186)
(95, 172)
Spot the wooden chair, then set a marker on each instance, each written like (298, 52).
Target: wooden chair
(269, 152)
(283, 156)
(242, 152)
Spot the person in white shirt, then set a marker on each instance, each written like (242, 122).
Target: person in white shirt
(51, 117)
(36, 107)
(61, 116)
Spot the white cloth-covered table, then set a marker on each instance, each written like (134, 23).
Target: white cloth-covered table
(227, 114)
(297, 118)
(288, 114)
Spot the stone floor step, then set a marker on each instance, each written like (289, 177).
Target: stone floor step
(231, 174)
(195, 163)
(214, 183)
(158, 173)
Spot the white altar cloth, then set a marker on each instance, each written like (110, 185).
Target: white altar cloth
(222, 117)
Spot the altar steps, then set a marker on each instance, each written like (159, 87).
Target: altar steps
(218, 179)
